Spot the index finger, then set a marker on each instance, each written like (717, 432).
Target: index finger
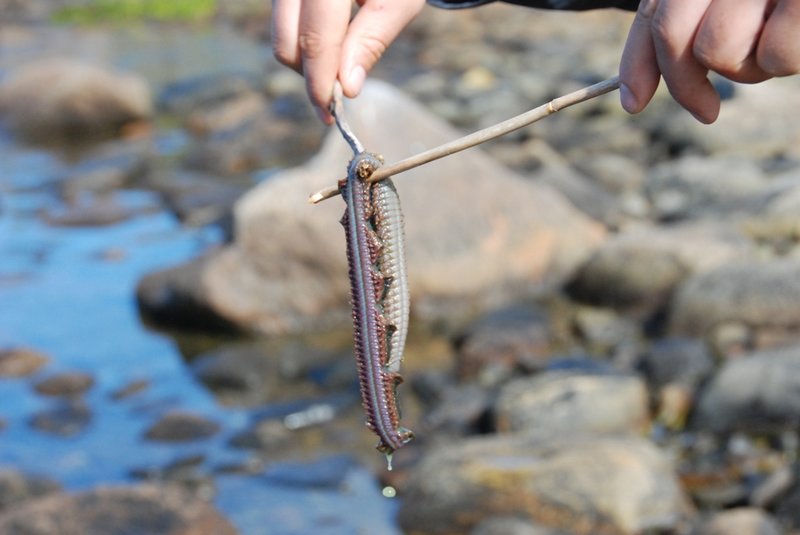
(674, 25)
(323, 25)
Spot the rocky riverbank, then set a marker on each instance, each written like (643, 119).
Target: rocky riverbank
(605, 330)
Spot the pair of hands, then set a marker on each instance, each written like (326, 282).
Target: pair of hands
(680, 41)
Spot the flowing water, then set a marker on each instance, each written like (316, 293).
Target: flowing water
(68, 292)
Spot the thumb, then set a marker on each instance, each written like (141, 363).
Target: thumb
(372, 30)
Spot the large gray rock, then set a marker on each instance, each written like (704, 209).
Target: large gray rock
(757, 392)
(641, 267)
(741, 305)
(155, 510)
(61, 99)
(476, 233)
(580, 485)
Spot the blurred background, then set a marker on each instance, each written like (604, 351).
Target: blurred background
(605, 308)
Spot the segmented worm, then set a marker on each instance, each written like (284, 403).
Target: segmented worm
(378, 369)
(373, 225)
(396, 302)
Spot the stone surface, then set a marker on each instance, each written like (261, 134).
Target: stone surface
(286, 270)
(641, 267)
(242, 374)
(151, 509)
(742, 521)
(21, 362)
(597, 485)
(180, 426)
(694, 186)
(762, 296)
(676, 360)
(61, 99)
(66, 384)
(562, 403)
(504, 340)
(66, 418)
(749, 124)
(17, 488)
(757, 392)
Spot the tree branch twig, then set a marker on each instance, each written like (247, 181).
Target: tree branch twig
(482, 136)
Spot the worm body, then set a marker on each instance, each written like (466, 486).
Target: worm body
(379, 293)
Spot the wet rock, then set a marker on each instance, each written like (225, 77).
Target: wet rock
(152, 509)
(642, 267)
(198, 198)
(66, 418)
(61, 99)
(597, 485)
(17, 488)
(21, 362)
(242, 374)
(326, 473)
(190, 94)
(263, 435)
(178, 426)
(262, 141)
(131, 389)
(286, 270)
(763, 297)
(742, 521)
(110, 166)
(563, 403)
(66, 384)
(90, 211)
(694, 186)
(187, 472)
(504, 340)
(758, 392)
(227, 116)
(177, 297)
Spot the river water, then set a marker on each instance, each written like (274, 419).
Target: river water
(69, 292)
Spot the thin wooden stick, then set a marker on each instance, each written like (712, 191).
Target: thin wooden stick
(482, 136)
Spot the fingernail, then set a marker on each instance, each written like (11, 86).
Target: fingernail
(627, 99)
(356, 78)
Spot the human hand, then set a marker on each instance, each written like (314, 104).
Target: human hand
(317, 39)
(682, 40)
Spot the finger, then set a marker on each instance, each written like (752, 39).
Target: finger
(638, 70)
(371, 32)
(675, 23)
(323, 24)
(727, 39)
(779, 48)
(285, 20)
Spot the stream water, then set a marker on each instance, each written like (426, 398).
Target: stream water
(68, 292)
